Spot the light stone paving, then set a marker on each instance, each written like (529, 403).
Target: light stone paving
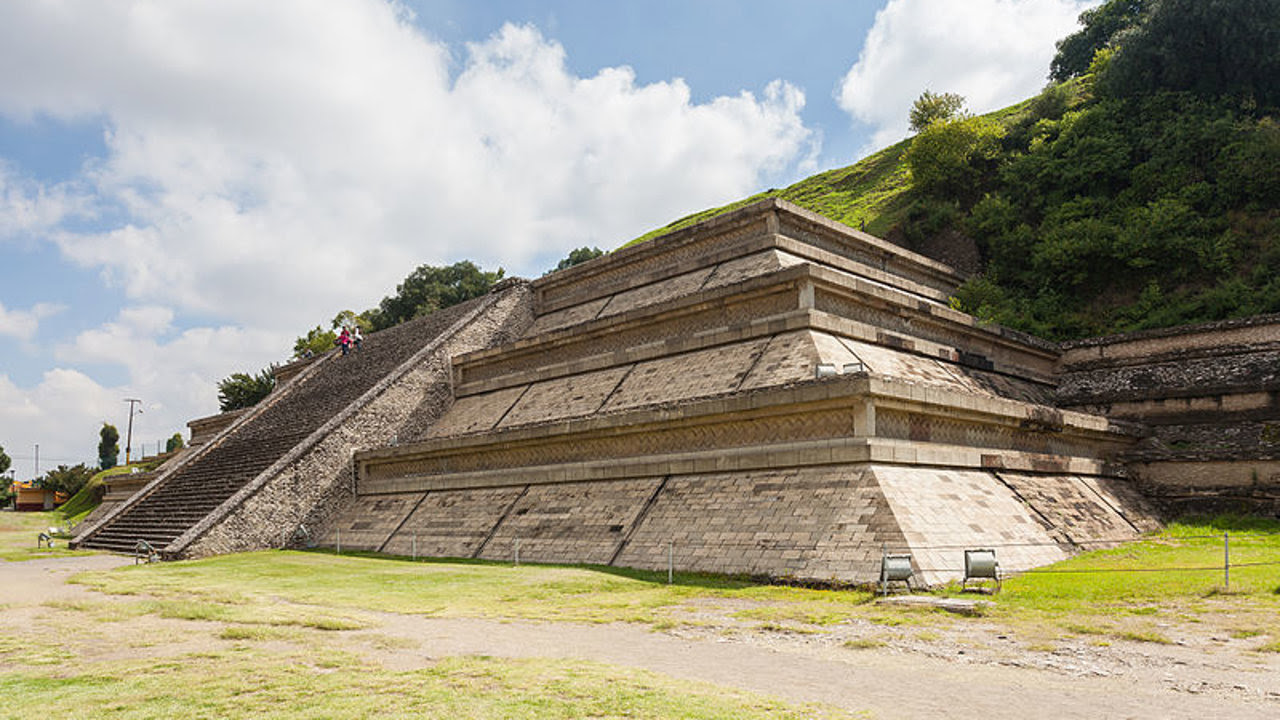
(571, 522)
(567, 317)
(1071, 508)
(699, 374)
(452, 524)
(667, 289)
(811, 522)
(943, 512)
(793, 357)
(475, 413)
(745, 268)
(572, 396)
(367, 522)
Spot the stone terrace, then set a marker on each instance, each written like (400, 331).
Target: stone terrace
(664, 401)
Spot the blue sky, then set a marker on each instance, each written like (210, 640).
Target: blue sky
(185, 188)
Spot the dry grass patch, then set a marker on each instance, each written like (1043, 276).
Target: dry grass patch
(248, 683)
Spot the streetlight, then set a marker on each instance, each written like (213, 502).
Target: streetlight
(128, 438)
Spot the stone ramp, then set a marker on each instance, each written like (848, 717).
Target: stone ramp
(177, 501)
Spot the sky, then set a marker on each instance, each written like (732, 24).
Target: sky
(188, 186)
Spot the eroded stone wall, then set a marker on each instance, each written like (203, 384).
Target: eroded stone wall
(1210, 395)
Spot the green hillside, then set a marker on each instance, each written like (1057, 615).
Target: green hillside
(870, 195)
(1141, 190)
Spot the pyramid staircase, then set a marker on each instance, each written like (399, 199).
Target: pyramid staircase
(179, 499)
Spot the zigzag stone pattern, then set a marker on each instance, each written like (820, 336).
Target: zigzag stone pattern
(180, 499)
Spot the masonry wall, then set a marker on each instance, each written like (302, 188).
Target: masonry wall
(309, 482)
(1210, 395)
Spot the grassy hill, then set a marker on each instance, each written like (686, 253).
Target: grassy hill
(870, 195)
(1088, 212)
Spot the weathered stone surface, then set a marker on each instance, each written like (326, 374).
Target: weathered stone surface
(571, 522)
(453, 524)
(253, 484)
(662, 405)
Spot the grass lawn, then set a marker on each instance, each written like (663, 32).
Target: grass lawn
(1135, 591)
(20, 530)
(253, 635)
(306, 680)
(250, 682)
(458, 589)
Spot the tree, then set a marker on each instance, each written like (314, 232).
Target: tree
(108, 446)
(430, 288)
(1209, 48)
(579, 256)
(242, 390)
(174, 443)
(951, 159)
(66, 479)
(349, 319)
(1101, 26)
(930, 108)
(316, 341)
(6, 491)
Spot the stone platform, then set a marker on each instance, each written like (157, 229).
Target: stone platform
(767, 392)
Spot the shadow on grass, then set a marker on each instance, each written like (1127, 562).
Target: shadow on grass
(1228, 522)
(704, 581)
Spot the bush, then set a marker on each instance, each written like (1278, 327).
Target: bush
(954, 159)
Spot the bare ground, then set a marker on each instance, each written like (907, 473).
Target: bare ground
(973, 669)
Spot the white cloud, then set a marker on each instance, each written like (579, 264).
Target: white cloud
(993, 52)
(22, 324)
(173, 373)
(268, 164)
(30, 209)
(304, 157)
(62, 414)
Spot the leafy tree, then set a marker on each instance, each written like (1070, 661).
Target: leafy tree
(108, 446)
(579, 256)
(952, 158)
(1101, 25)
(930, 108)
(316, 341)
(174, 443)
(6, 491)
(1210, 48)
(242, 390)
(430, 288)
(349, 319)
(66, 479)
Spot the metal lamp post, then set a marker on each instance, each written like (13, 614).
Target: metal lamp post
(128, 438)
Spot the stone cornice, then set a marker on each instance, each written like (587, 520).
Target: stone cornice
(925, 328)
(835, 409)
(701, 244)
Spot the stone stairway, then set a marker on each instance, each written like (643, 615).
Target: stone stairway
(183, 497)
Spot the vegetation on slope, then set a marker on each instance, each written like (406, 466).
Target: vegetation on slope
(90, 495)
(871, 195)
(1139, 191)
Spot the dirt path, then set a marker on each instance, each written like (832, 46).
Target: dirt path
(888, 683)
(36, 581)
(948, 677)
